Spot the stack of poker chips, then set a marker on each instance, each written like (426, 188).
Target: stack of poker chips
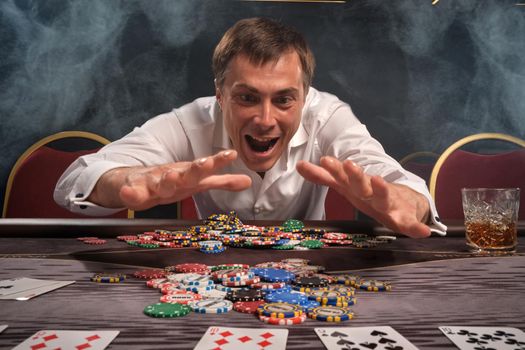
(228, 230)
(278, 293)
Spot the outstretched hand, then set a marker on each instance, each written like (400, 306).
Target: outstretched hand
(141, 188)
(398, 207)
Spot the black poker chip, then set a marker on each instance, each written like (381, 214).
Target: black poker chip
(245, 295)
(310, 281)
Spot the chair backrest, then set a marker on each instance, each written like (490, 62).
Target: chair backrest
(338, 207)
(30, 186)
(457, 168)
(420, 163)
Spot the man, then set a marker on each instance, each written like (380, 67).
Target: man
(267, 145)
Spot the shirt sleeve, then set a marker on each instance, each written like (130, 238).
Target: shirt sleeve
(160, 140)
(343, 136)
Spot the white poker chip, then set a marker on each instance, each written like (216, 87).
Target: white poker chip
(211, 306)
(213, 294)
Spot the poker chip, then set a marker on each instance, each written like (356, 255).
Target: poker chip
(213, 294)
(374, 286)
(229, 267)
(268, 285)
(156, 282)
(108, 278)
(191, 267)
(249, 307)
(94, 241)
(211, 306)
(150, 274)
(348, 280)
(296, 261)
(197, 280)
(280, 310)
(344, 290)
(240, 283)
(244, 295)
(286, 297)
(86, 238)
(312, 244)
(181, 297)
(166, 310)
(331, 314)
(283, 321)
(273, 274)
(232, 272)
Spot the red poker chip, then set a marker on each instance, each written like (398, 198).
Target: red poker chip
(86, 238)
(241, 283)
(268, 285)
(155, 282)
(248, 307)
(191, 267)
(94, 241)
(127, 238)
(335, 236)
(233, 272)
(150, 274)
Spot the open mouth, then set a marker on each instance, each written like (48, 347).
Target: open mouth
(261, 144)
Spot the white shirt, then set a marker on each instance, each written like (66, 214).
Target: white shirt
(328, 127)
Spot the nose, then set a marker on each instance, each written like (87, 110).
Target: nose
(265, 116)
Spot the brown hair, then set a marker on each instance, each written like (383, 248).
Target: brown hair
(262, 40)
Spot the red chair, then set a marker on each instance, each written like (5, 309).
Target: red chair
(30, 185)
(338, 207)
(420, 164)
(457, 168)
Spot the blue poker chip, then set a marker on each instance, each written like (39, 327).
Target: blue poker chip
(274, 275)
(309, 305)
(286, 288)
(282, 241)
(286, 297)
(214, 251)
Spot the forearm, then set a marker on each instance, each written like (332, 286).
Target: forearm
(106, 192)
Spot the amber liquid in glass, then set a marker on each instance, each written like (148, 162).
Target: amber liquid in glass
(492, 236)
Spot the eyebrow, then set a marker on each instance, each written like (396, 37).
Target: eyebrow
(280, 92)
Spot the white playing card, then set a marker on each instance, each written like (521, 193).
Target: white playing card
(2, 327)
(66, 340)
(229, 338)
(366, 338)
(26, 288)
(471, 338)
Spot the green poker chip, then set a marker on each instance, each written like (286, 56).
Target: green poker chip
(293, 225)
(167, 310)
(312, 244)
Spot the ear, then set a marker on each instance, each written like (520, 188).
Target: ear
(218, 96)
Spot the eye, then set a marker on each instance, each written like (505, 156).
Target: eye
(247, 98)
(283, 100)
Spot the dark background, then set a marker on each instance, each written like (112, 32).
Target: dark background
(420, 76)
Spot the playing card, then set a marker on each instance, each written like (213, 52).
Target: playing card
(26, 288)
(2, 327)
(65, 340)
(490, 338)
(366, 338)
(228, 338)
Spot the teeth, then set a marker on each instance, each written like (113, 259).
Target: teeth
(262, 139)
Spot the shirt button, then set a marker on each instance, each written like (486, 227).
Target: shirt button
(256, 210)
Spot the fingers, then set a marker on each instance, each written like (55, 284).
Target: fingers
(226, 182)
(359, 182)
(315, 174)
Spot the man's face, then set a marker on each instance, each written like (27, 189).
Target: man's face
(262, 107)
